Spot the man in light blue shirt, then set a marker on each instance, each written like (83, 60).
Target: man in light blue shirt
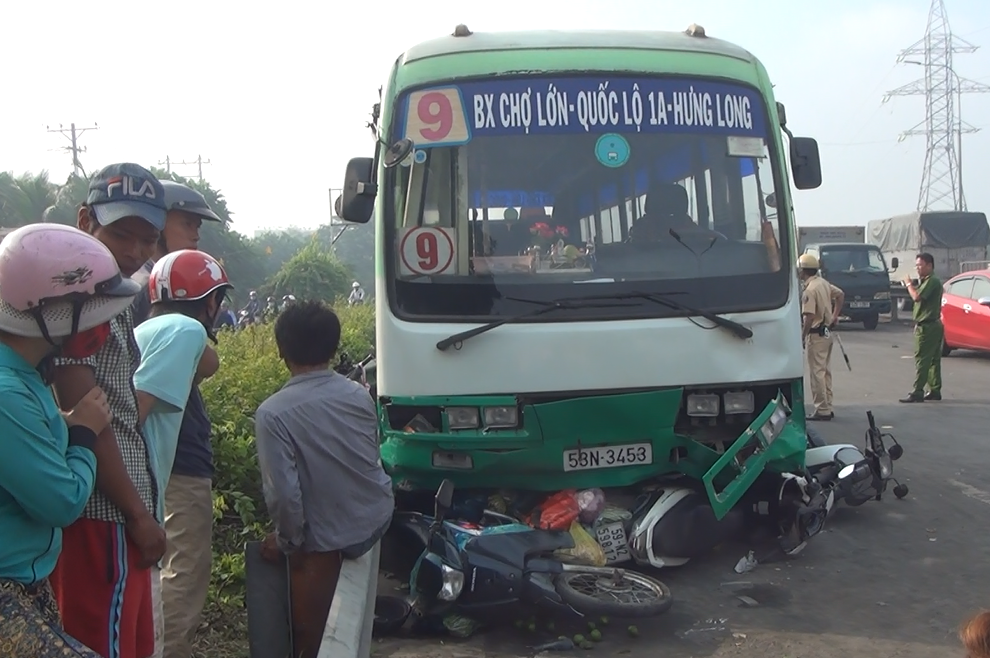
(186, 288)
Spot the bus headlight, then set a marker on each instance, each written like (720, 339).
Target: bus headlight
(738, 402)
(463, 418)
(501, 417)
(702, 404)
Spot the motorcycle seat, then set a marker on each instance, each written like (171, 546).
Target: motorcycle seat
(514, 548)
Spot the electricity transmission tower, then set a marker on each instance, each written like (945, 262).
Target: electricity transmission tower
(943, 127)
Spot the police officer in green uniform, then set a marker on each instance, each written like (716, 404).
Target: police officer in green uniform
(928, 331)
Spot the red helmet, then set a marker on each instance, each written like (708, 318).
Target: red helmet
(186, 275)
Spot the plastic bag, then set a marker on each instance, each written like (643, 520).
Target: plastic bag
(586, 549)
(612, 514)
(590, 502)
(557, 512)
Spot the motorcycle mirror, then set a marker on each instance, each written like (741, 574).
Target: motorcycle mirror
(895, 451)
(847, 471)
(444, 498)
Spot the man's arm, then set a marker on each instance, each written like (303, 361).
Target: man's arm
(72, 382)
(280, 477)
(838, 298)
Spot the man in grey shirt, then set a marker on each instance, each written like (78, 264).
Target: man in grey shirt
(325, 486)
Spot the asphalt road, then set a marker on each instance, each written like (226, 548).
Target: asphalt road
(893, 578)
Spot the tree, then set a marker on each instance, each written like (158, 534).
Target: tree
(355, 248)
(25, 198)
(277, 247)
(313, 273)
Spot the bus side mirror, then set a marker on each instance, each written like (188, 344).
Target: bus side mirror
(806, 163)
(894, 263)
(357, 203)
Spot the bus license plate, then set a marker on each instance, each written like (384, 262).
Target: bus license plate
(612, 538)
(584, 459)
(859, 305)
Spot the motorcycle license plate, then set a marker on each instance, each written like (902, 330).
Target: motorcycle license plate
(632, 454)
(612, 538)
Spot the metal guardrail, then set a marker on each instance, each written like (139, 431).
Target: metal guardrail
(347, 633)
(348, 630)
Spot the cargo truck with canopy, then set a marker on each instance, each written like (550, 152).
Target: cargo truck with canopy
(579, 279)
(957, 240)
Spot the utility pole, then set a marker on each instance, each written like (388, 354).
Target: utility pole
(199, 162)
(335, 220)
(943, 126)
(72, 134)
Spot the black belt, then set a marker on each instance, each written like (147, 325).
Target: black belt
(819, 331)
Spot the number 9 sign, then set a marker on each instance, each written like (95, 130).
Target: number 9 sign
(436, 117)
(426, 250)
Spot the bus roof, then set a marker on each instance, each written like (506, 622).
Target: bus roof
(587, 39)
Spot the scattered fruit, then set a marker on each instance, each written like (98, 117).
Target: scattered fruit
(578, 639)
(531, 627)
(633, 631)
(587, 645)
(603, 621)
(595, 635)
(591, 626)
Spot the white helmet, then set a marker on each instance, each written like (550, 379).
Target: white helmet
(57, 281)
(355, 285)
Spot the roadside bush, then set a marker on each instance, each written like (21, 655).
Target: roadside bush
(250, 371)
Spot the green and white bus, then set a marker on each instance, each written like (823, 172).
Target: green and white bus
(585, 270)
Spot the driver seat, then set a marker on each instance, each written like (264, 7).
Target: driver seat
(666, 208)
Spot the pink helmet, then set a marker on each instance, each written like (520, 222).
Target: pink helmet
(56, 281)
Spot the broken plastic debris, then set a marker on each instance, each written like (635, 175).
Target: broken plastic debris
(749, 602)
(746, 564)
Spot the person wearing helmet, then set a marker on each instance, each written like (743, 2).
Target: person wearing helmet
(186, 289)
(287, 301)
(111, 611)
(58, 289)
(252, 308)
(818, 317)
(186, 211)
(357, 294)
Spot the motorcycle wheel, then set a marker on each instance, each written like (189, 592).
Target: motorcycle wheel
(616, 592)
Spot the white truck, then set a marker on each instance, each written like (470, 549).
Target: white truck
(957, 240)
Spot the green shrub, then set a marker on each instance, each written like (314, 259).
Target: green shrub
(250, 371)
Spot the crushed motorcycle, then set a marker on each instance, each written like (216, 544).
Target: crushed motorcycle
(489, 569)
(676, 523)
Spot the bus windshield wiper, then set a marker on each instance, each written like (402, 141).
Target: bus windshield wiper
(738, 330)
(545, 307)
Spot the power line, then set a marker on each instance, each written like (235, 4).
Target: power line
(943, 127)
(199, 162)
(72, 134)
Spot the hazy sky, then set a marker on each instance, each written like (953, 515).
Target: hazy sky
(277, 98)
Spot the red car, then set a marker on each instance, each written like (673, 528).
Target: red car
(966, 312)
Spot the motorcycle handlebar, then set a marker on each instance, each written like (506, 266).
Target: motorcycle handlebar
(873, 423)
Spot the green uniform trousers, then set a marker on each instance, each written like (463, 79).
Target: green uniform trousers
(928, 357)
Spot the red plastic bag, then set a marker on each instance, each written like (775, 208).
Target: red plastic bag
(557, 512)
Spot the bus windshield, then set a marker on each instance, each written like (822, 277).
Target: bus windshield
(519, 190)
